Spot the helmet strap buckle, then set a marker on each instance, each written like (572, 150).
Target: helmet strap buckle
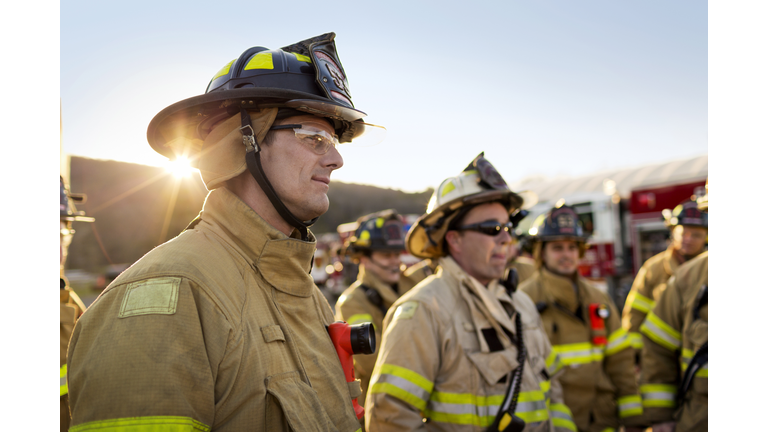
(248, 139)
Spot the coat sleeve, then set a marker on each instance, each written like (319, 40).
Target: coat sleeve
(405, 370)
(661, 348)
(620, 368)
(639, 303)
(145, 354)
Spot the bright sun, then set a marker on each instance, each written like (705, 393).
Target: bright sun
(180, 168)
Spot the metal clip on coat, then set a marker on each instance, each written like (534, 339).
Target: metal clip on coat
(349, 340)
(597, 315)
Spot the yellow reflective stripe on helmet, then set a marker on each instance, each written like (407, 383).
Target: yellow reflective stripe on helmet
(578, 353)
(636, 340)
(63, 388)
(658, 395)
(303, 58)
(562, 417)
(617, 341)
(359, 318)
(631, 405)
(223, 71)
(642, 303)
(553, 363)
(144, 424)
(262, 60)
(661, 332)
(403, 384)
(449, 187)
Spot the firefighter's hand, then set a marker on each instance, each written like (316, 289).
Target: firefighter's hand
(664, 427)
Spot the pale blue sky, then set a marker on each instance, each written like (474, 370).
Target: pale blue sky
(544, 88)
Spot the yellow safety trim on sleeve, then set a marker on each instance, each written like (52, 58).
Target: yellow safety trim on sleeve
(409, 375)
(359, 318)
(399, 393)
(553, 363)
(636, 340)
(643, 303)
(63, 387)
(658, 395)
(262, 60)
(686, 359)
(562, 417)
(303, 58)
(579, 353)
(631, 405)
(660, 332)
(223, 71)
(403, 384)
(617, 341)
(144, 424)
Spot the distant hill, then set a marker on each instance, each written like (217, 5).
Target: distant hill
(133, 208)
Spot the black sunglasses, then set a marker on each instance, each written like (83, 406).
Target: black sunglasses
(491, 228)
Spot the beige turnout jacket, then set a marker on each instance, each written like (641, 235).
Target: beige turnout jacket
(445, 359)
(219, 329)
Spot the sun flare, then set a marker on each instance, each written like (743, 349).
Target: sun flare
(180, 168)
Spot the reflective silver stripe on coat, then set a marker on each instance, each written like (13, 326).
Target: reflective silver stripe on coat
(403, 384)
(660, 333)
(450, 408)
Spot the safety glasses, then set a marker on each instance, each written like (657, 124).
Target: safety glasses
(319, 141)
(490, 228)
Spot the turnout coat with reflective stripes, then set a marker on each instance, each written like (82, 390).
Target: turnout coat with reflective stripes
(646, 290)
(71, 309)
(218, 329)
(671, 338)
(436, 370)
(354, 307)
(598, 381)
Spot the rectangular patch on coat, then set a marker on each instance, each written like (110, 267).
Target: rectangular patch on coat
(272, 333)
(158, 296)
(405, 310)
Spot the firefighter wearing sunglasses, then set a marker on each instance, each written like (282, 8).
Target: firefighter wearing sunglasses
(674, 381)
(222, 328)
(461, 350)
(584, 328)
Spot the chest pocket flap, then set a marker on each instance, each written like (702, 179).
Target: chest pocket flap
(494, 365)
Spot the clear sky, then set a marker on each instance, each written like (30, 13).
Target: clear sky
(543, 87)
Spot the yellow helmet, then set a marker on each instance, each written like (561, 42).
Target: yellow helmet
(478, 183)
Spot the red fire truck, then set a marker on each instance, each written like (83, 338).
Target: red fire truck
(621, 211)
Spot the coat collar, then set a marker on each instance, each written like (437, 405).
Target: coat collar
(561, 289)
(283, 261)
(370, 280)
(671, 260)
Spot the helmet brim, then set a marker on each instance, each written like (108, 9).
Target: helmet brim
(182, 119)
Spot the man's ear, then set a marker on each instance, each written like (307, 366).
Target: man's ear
(453, 240)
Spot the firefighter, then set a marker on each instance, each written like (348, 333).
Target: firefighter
(417, 273)
(454, 347)
(674, 378)
(688, 226)
(584, 328)
(376, 246)
(524, 266)
(71, 305)
(221, 328)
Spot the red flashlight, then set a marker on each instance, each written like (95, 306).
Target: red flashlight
(349, 340)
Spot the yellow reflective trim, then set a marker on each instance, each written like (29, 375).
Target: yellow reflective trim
(144, 424)
(545, 386)
(303, 58)
(223, 71)
(407, 374)
(636, 340)
(399, 393)
(63, 386)
(563, 423)
(643, 303)
(379, 222)
(466, 398)
(359, 318)
(462, 419)
(663, 388)
(449, 187)
(262, 60)
(660, 332)
(534, 416)
(617, 341)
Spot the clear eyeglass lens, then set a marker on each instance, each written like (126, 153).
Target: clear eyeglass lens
(319, 141)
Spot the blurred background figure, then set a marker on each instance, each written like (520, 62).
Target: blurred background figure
(71, 305)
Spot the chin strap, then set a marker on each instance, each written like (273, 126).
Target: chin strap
(253, 160)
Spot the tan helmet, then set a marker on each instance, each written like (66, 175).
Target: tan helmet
(478, 183)
(703, 201)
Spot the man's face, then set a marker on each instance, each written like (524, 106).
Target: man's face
(689, 240)
(299, 175)
(483, 256)
(385, 265)
(561, 257)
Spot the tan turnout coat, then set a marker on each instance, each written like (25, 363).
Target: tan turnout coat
(218, 329)
(71, 309)
(437, 369)
(598, 381)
